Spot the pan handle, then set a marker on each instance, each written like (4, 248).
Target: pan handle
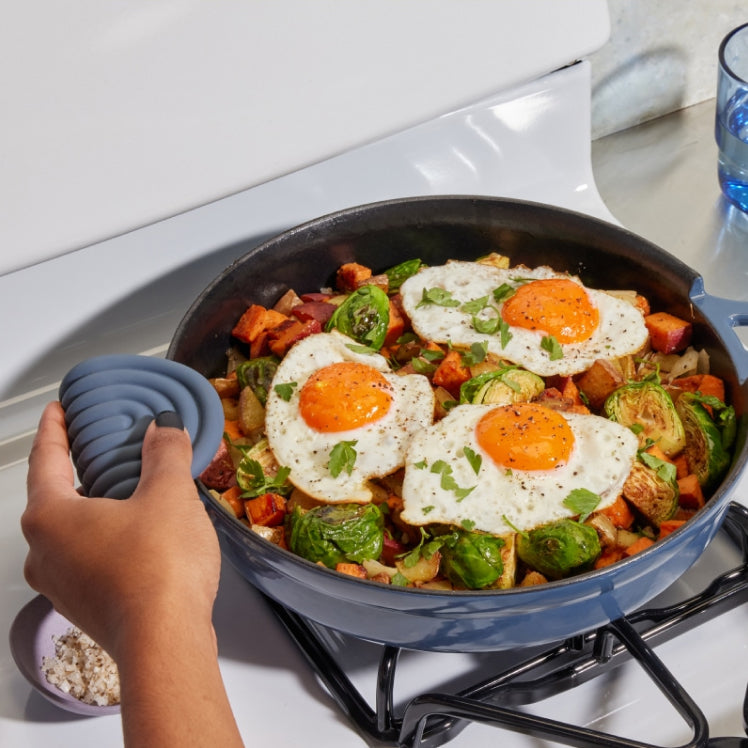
(724, 315)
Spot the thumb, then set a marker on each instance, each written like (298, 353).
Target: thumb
(166, 459)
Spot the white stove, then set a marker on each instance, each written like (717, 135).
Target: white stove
(69, 299)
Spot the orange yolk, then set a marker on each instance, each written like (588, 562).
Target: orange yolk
(555, 306)
(344, 396)
(525, 436)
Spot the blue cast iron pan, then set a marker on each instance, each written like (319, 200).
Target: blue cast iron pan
(437, 229)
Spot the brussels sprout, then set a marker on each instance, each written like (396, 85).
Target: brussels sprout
(398, 274)
(652, 490)
(363, 316)
(471, 559)
(646, 408)
(502, 387)
(705, 451)
(257, 374)
(559, 548)
(336, 533)
(515, 386)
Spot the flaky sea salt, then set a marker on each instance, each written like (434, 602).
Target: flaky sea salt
(81, 668)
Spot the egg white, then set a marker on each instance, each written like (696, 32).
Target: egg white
(621, 330)
(380, 446)
(503, 500)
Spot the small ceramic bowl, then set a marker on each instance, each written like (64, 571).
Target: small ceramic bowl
(31, 641)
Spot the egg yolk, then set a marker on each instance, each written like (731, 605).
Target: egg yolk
(555, 306)
(525, 436)
(344, 396)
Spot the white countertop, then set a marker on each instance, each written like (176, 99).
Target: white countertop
(660, 181)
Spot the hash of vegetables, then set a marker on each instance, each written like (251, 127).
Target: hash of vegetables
(664, 393)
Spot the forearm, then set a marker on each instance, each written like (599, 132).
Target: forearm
(171, 687)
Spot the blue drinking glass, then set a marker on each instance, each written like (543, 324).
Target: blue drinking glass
(731, 126)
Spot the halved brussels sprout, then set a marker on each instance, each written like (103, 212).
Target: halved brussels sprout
(471, 559)
(336, 533)
(515, 386)
(652, 491)
(705, 451)
(647, 409)
(559, 548)
(363, 316)
(257, 374)
(502, 386)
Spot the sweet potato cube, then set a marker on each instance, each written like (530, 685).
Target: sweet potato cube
(668, 333)
(690, 494)
(619, 513)
(353, 570)
(451, 373)
(396, 324)
(232, 498)
(570, 391)
(599, 381)
(670, 525)
(351, 276)
(706, 384)
(281, 338)
(268, 510)
(254, 321)
(638, 545)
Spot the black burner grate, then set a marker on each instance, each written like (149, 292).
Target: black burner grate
(432, 719)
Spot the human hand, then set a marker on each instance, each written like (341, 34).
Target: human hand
(110, 566)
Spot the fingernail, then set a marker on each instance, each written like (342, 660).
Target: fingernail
(169, 419)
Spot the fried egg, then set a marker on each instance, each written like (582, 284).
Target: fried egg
(338, 417)
(499, 469)
(538, 318)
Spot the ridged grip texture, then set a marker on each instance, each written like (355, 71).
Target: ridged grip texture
(109, 402)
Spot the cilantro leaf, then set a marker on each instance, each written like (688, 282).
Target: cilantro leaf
(476, 354)
(583, 502)
(503, 292)
(475, 306)
(254, 482)
(473, 458)
(666, 471)
(342, 457)
(438, 296)
(285, 390)
(448, 483)
(552, 346)
(505, 334)
(487, 325)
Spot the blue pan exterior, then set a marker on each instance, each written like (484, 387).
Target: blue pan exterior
(437, 229)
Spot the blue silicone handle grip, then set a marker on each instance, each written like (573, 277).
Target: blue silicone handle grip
(109, 402)
(724, 315)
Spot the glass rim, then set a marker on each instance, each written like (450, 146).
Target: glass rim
(723, 64)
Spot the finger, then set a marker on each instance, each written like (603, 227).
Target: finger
(50, 470)
(166, 459)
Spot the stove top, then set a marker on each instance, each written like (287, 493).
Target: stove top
(517, 679)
